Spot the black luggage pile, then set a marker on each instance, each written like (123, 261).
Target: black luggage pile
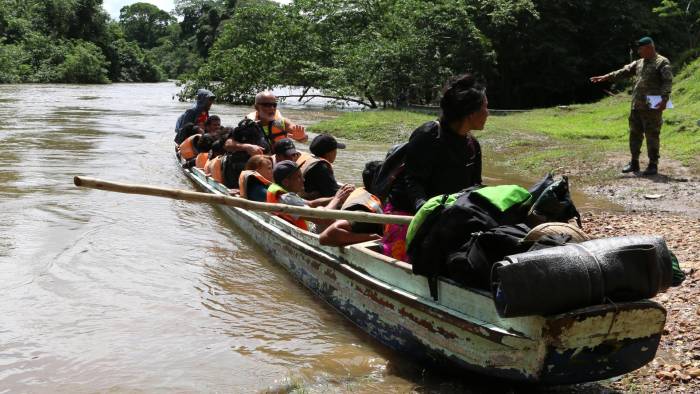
(462, 241)
(572, 276)
(467, 240)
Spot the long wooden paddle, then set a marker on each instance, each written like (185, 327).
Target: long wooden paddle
(184, 195)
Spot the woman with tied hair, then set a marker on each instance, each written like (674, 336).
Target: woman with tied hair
(442, 157)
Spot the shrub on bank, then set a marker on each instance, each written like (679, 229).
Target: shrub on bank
(83, 63)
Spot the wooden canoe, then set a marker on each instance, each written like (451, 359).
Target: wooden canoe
(462, 330)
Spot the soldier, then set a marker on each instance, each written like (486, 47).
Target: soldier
(653, 77)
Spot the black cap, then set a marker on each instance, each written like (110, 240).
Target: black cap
(284, 169)
(324, 143)
(285, 146)
(644, 41)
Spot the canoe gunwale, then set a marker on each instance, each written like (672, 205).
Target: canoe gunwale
(542, 336)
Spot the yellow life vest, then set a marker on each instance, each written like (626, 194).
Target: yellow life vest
(274, 191)
(275, 130)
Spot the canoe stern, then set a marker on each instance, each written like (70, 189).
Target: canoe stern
(601, 342)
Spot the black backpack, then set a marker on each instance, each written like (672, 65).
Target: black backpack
(471, 264)
(247, 132)
(250, 132)
(444, 231)
(555, 203)
(391, 169)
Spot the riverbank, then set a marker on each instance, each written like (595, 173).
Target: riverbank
(589, 143)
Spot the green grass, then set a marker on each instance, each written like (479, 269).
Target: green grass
(379, 125)
(568, 137)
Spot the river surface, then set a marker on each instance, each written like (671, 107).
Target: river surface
(122, 293)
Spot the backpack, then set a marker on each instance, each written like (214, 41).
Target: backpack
(445, 230)
(471, 264)
(555, 204)
(392, 167)
(250, 132)
(247, 132)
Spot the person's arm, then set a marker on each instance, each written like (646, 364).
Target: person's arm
(666, 84)
(295, 131)
(319, 202)
(232, 145)
(340, 234)
(334, 202)
(477, 165)
(624, 72)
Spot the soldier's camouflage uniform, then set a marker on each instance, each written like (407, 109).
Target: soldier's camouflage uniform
(652, 77)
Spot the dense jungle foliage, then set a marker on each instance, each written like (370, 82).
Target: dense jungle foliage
(379, 52)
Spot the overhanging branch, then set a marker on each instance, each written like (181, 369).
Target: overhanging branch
(352, 100)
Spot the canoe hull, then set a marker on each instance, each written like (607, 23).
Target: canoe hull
(569, 348)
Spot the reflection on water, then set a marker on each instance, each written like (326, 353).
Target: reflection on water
(116, 292)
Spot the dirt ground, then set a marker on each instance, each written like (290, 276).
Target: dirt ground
(667, 204)
(675, 189)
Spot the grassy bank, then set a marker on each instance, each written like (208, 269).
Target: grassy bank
(577, 139)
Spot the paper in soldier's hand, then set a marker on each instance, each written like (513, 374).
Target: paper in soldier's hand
(655, 100)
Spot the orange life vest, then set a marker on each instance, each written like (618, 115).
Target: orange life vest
(360, 197)
(245, 177)
(201, 161)
(277, 129)
(187, 149)
(274, 191)
(215, 169)
(306, 162)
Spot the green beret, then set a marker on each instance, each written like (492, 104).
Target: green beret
(644, 41)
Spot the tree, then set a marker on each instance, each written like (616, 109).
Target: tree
(144, 23)
(683, 17)
(83, 63)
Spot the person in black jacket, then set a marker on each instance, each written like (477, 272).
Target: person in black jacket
(443, 156)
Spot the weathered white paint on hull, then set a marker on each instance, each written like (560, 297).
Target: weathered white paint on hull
(385, 299)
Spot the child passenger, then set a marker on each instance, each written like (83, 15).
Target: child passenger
(255, 178)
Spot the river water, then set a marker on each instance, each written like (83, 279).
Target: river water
(114, 292)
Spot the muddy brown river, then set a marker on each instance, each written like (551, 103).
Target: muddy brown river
(123, 293)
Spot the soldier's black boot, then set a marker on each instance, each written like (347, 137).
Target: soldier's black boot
(652, 169)
(633, 166)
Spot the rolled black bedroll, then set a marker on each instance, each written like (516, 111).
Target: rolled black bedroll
(563, 278)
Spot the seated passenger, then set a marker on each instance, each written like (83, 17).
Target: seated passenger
(274, 124)
(288, 184)
(441, 157)
(255, 179)
(284, 149)
(245, 141)
(344, 232)
(187, 131)
(317, 169)
(194, 145)
(213, 125)
(199, 113)
(201, 160)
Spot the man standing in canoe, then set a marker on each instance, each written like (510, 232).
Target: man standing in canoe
(275, 125)
(653, 78)
(199, 113)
